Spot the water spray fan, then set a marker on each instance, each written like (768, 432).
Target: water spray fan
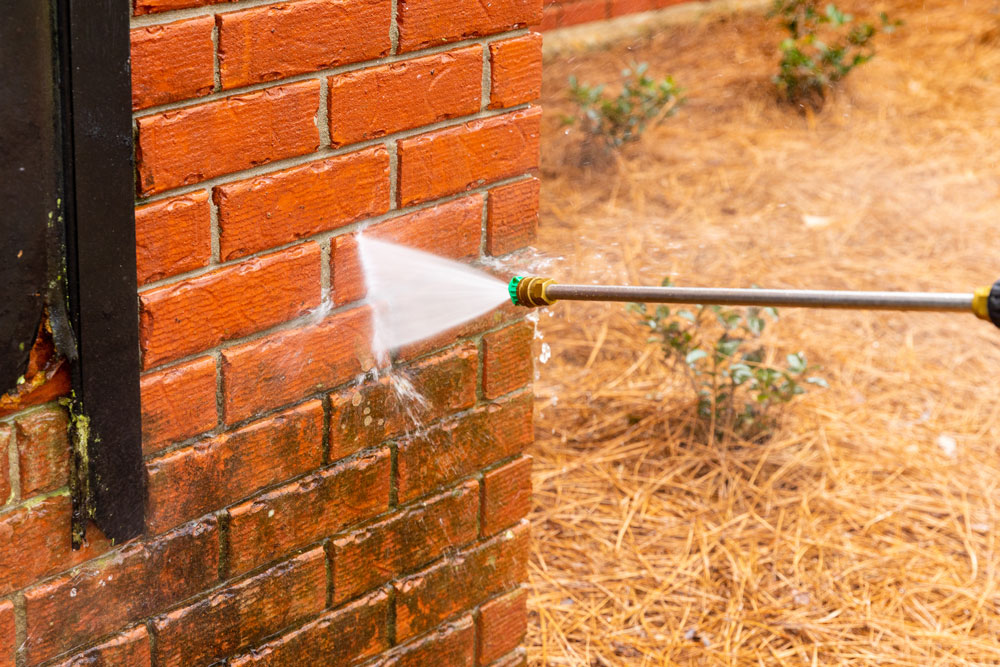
(984, 303)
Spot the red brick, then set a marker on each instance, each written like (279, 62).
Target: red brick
(130, 648)
(505, 313)
(451, 645)
(308, 510)
(43, 451)
(197, 479)
(137, 581)
(178, 403)
(277, 41)
(239, 616)
(425, 23)
(199, 313)
(366, 416)
(172, 236)
(285, 206)
(452, 229)
(517, 658)
(190, 145)
(373, 102)
(512, 217)
(462, 446)
(622, 7)
(410, 539)
(8, 638)
(502, 624)
(289, 365)
(584, 11)
(340, 637)
(172, 61)
(460, 582)
(6, 441)
(41, 531)
(515, 71)
(551, 17)
(506, 496)
(455, 159)
(150, 6)
(507, 360)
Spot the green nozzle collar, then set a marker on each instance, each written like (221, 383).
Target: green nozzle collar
(512, 289)
(529, 291)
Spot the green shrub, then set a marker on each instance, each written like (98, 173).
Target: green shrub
(822, 48)
(616, 120)
(718, 350)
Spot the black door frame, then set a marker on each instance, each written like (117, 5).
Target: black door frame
(83, 177)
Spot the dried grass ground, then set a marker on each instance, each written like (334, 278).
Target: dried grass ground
(852, 535)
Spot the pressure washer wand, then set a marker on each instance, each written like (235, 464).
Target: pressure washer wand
(532, 292)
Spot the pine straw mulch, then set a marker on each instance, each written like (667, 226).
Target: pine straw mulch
(865, 529)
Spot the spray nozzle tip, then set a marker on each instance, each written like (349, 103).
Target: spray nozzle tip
(529, 291)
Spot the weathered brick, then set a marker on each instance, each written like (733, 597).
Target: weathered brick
(177, 403)
(197, 479)
(239, 616)
(172, 236)
(8, 639)
(551, 17)
(451, 645)
(276, 41)
(43, 451)
(373, 102)
(462, 446)
(150, 6)
(459, 582)
(515, 71)
(344, 636)
(507, 360)
(35, 542)
(516, 658)
(198, 313)
(506, 496)
(284, 206)
(139, 580)
(189, 145)
(130, 648)
(452, 229)
(583, 11)
(172, 61)
(289, 365)
(455, 159)
(512, 216)
(502, 624)
(504, 314)
(408, 540)
(6, 442)
(368, 415)
(621, 7)
(425, 23)
(305, 511)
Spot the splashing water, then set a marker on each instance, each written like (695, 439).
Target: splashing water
(416, 295)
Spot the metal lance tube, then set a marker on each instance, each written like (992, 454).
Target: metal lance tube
(722, 296)
(984, 302)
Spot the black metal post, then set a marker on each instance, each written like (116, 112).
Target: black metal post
(100, 261)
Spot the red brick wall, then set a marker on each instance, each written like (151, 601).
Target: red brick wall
(294, 516)
(564, 13)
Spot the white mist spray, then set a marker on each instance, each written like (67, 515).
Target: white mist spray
(416, 295)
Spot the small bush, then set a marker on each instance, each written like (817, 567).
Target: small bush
(717, 349)
(618, 120)
(822, 48)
